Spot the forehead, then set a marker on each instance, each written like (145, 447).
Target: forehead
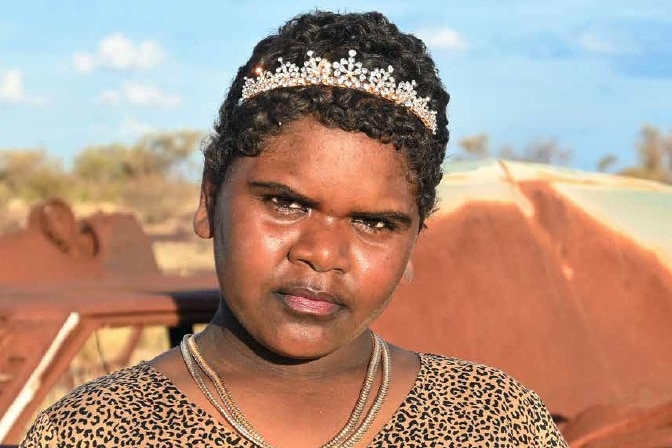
(317, 160)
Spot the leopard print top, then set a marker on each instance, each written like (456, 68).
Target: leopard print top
(453, 403)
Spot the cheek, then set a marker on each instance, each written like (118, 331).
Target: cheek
(382, 268)
(247, 245)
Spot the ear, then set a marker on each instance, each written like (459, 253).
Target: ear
(204, 216)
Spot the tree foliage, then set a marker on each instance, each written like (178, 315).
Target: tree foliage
(31, 174)
(606, 162)
(147, 175)
(476, 146)
(152, 155)
(654, 156)
(654, 151)
(548, 151)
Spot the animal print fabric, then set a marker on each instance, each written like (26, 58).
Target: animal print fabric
(453, 403)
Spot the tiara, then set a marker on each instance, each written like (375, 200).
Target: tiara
(347, 73)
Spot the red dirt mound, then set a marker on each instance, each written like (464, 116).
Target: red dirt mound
(574, 310)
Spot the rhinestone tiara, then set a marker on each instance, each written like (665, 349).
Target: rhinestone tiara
(346, 73)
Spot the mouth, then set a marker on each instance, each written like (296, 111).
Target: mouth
(308, 301)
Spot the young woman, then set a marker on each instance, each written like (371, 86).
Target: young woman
(318, 178)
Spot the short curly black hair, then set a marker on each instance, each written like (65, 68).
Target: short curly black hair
(242, 128)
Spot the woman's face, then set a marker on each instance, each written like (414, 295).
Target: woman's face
(312, 237)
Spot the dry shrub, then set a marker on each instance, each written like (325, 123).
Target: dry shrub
(32, 175)
(156, 199)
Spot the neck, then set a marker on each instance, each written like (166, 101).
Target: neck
(226, 343)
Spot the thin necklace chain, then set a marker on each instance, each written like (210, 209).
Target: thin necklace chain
(191, 366)
(347, 437)
(238, 418)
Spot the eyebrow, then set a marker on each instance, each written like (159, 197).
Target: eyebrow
(401, 219)
(282, 189)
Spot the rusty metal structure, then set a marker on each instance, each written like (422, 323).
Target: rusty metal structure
(56, 247)
(61, 279)
(516, 271)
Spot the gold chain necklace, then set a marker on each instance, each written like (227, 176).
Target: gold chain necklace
(348, 437)
(240, 423)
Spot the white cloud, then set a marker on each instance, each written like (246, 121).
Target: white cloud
(109, 98)
(145, 94)
(595, 44)
(131, 126)
(444, 38)
(12, 90)
(139, 95)
(83, 62)
(118, 52)
(614, 44)
(11, 86)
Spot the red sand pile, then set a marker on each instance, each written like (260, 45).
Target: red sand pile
(574, 310)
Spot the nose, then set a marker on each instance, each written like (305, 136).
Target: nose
(323, 245)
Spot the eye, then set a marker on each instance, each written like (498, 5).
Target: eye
(285, 205)
(373, 225)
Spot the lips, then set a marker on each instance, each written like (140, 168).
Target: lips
(309, 302)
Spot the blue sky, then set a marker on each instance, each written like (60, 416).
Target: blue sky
(587, 73)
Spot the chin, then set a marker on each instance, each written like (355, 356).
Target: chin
(301, 342)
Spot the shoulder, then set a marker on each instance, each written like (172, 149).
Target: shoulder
(124, 386)
(461, 377)
(137, 406)
(120, 399)
(458, 384)
(487, 400)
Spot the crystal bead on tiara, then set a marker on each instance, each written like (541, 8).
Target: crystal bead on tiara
(346, 73)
